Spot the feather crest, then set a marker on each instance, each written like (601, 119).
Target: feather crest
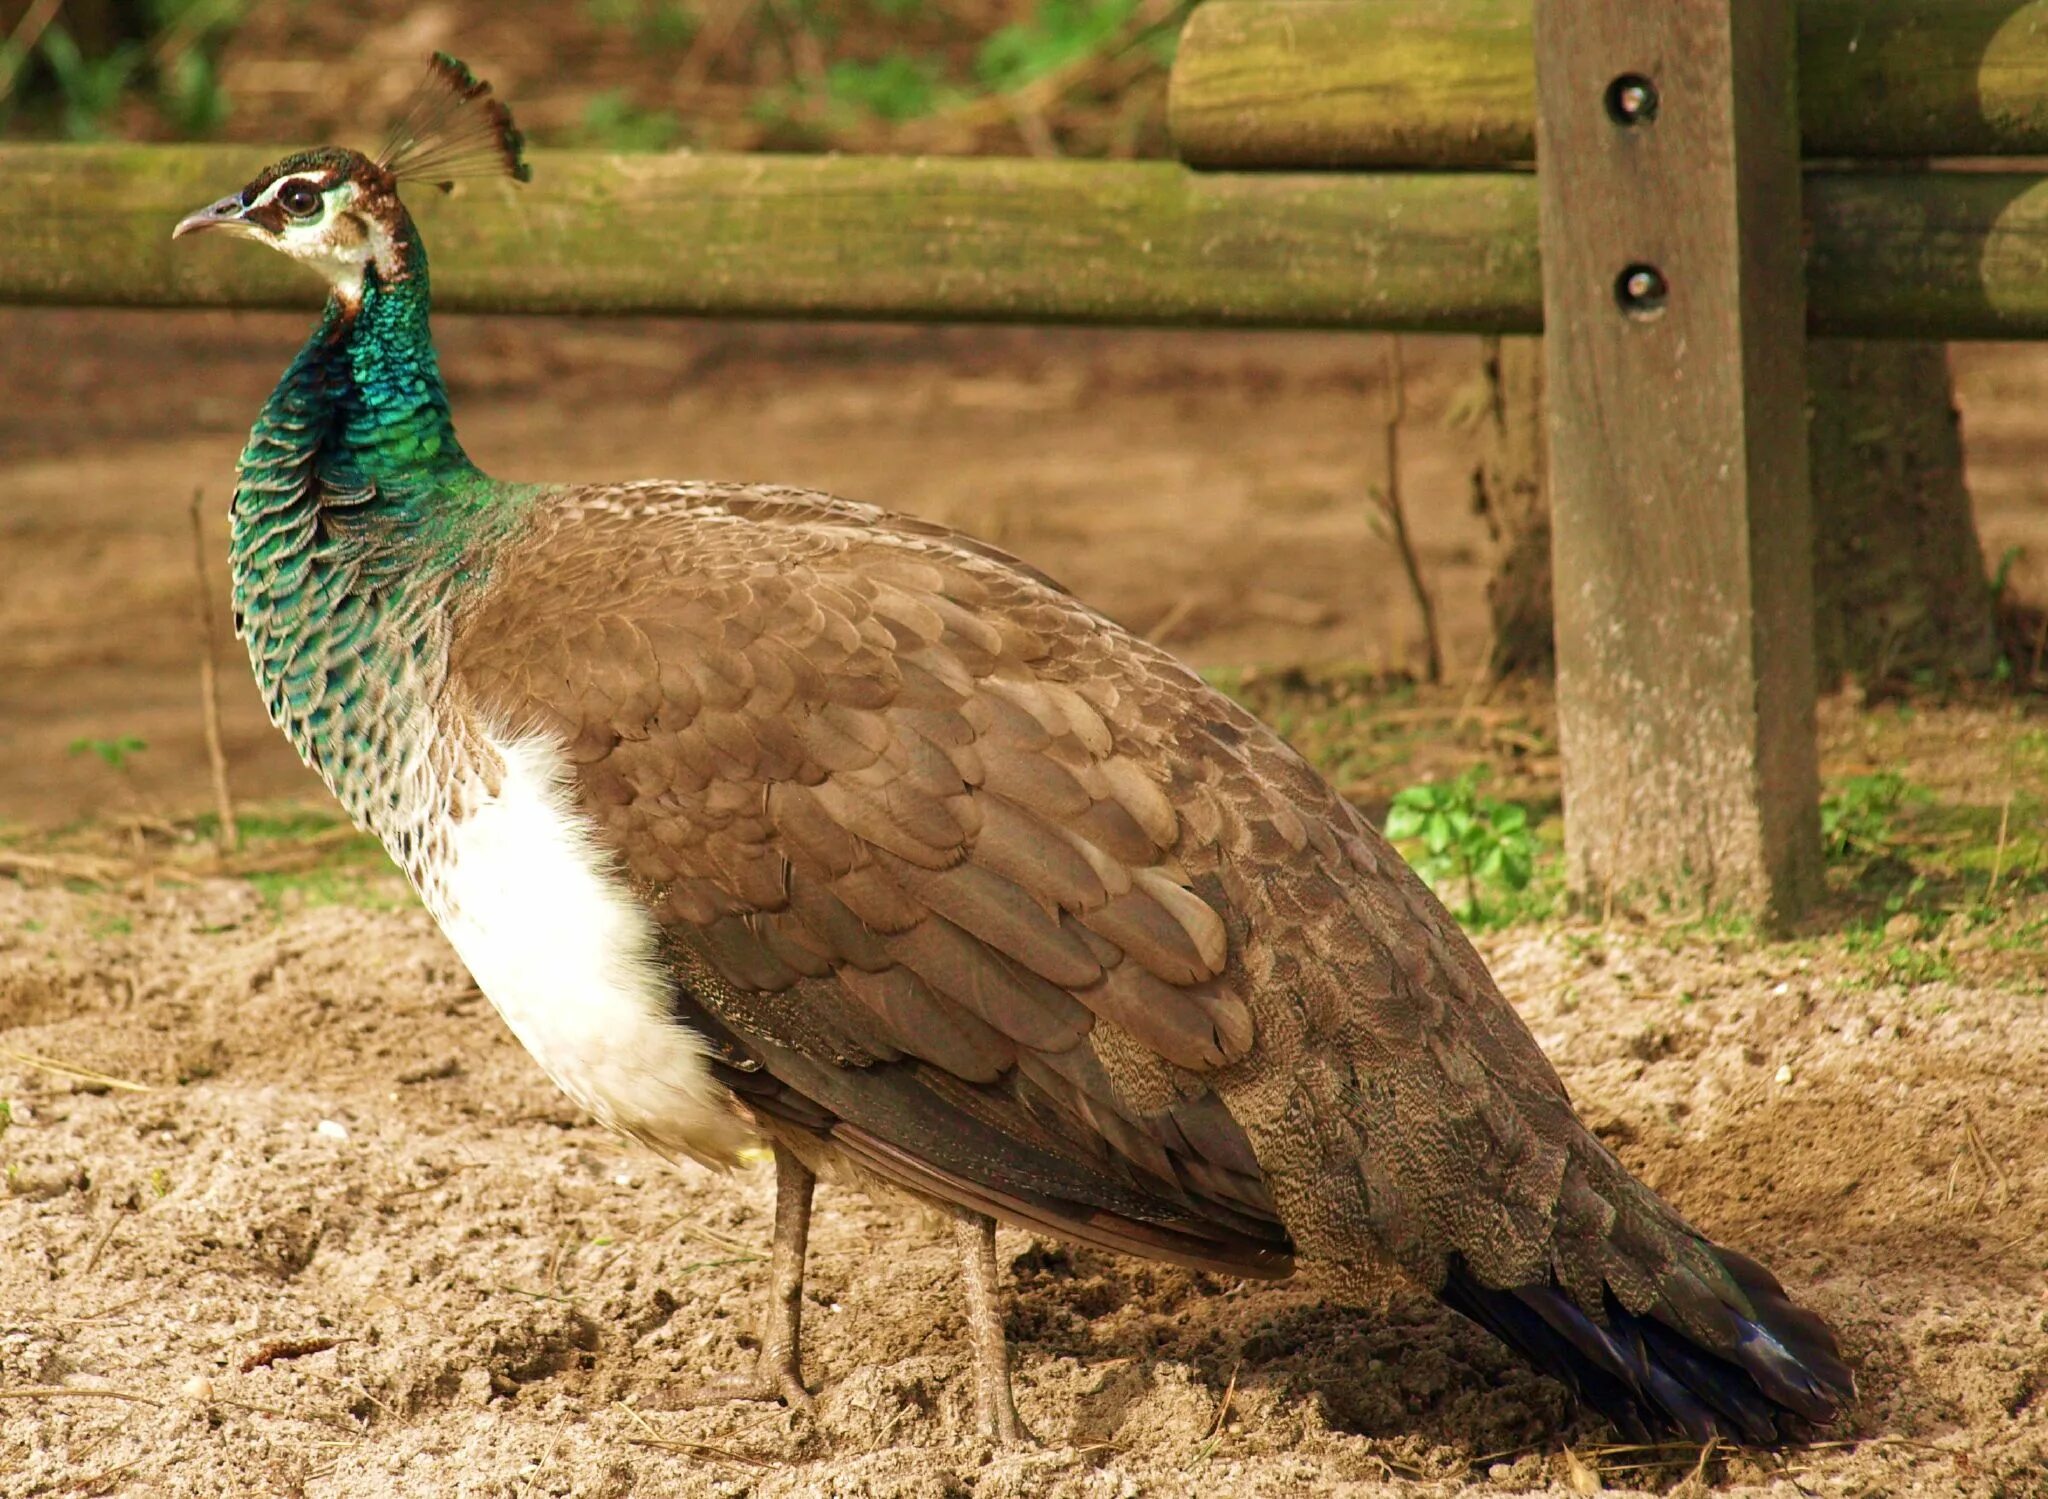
(453, 128)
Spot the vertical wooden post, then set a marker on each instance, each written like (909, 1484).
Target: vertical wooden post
(1674, 310)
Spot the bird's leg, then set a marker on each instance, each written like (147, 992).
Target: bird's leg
(995, 1407)
(781, 1360)
(778, 1370)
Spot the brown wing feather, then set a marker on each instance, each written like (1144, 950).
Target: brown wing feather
(845, 783)
(1116, 931)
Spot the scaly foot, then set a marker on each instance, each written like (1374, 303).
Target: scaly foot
(771, 1379)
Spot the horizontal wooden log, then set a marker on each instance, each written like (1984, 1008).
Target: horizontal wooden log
(1926, 255)
(822, 236)
(1452, 83)
(1354, 83)
(1940, 255)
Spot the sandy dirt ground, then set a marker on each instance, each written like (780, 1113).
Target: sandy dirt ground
(300, 1218)
(343, 1239)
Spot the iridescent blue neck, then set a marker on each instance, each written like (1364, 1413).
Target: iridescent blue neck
(395, 431)
(358, 522)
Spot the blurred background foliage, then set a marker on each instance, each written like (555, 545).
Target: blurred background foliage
(1041, 77)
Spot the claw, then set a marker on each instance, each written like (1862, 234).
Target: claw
(764, 1384)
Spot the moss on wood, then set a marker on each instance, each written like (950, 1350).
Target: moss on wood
(1451, 83)
(1923, 255)
(829, 236)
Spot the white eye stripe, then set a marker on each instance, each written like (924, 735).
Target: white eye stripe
(269, 194)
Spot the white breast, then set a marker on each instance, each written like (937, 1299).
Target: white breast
(557, 942)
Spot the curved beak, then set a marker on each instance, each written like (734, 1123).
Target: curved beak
(225, 214)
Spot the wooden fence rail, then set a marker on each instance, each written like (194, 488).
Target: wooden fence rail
(1919, 255)
(1452, 83)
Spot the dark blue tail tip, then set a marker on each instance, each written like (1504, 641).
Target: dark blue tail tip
(1780, 1380)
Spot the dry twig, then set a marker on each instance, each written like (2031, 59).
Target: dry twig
(316, 1414)
(1177, 614)
(76, 1392)
(95, 869)
(1223, 1406)
(34, 22)
(710, 45)
(1998, 855)
(286, 1348)
(1391, 507)
(66, 866)
(660, 1443)
(227, 837)
(99, 1245)
(68, 1069)
(1582, 1477)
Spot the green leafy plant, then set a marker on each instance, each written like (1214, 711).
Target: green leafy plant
(87, 79)
(107, 925)
(1858, 817)
(114, 752)
(658, 23)
(895, 87)
(189, 92)
(1456, 837)
(89, 89)
(1059, 32)
(1059, 40)
(2001, 576)
(612, 121)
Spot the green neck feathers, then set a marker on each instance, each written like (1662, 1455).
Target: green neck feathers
(358, 521)
(360, 421)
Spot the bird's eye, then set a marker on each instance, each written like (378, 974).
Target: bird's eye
(299, 199)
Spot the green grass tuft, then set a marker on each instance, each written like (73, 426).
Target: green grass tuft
(114, 752)
(357, 874)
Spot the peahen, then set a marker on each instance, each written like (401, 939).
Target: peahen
(765, 817)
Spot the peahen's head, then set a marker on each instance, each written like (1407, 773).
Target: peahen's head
(339, 211)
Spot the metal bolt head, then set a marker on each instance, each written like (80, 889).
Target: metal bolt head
(1631, 100)
(1641, 291)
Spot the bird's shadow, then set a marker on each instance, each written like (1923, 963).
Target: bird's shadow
(1408, 1373)
(1409, 1369)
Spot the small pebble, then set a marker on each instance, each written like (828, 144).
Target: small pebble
(1785, 1074)
(625, 1179)
(333, 1129)
(198, 1387)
